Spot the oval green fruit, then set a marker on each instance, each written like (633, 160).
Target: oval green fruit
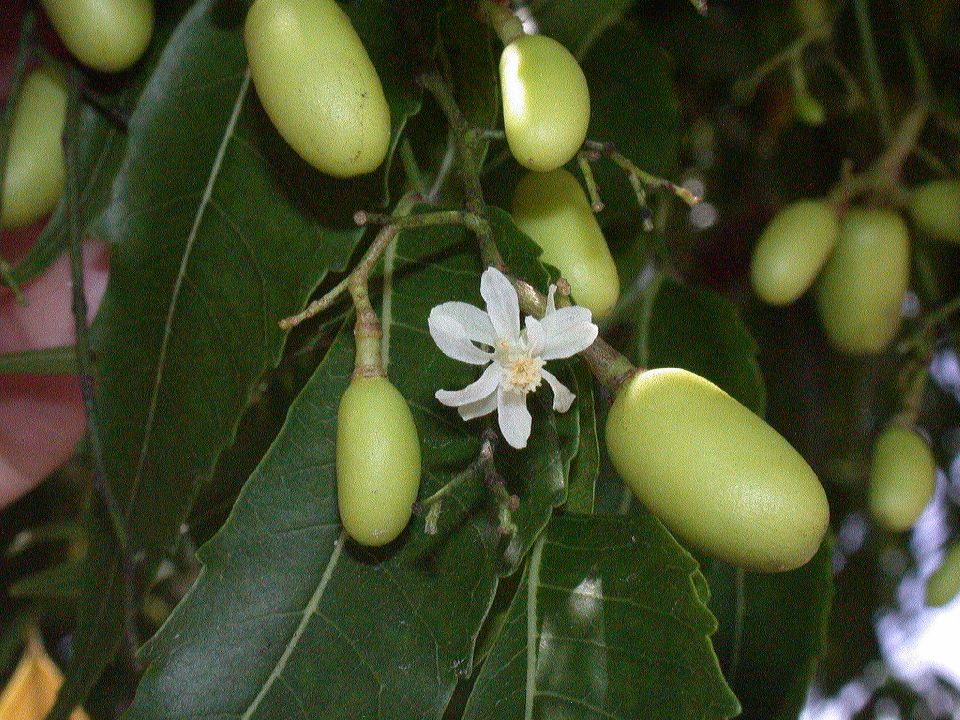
(935, 209)
(716, 474)
(902, 478)
(36, 169)
(318, 85)
(552, 209)
(944, 585)
(546, 102)
(378, 461)
(862, 286)
(106, 35)
(792, 251)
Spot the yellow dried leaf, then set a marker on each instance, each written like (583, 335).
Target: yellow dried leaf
(33, 687)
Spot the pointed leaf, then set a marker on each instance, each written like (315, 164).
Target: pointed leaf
(288, 619)
(220, 230)
(608, 623)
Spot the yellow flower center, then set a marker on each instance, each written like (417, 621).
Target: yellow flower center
(523, 372)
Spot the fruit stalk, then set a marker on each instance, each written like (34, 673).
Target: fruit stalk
(498, 16)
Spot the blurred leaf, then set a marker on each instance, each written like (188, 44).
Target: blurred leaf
(289, 620)
(700, 331)
(577, 24)
(770, 651)
(61, 581)
(101, 143)
(607, 623)
(633, 105)
(220, 230)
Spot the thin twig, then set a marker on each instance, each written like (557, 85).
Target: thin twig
(48, 361)
(871, 63)
(746, 89)
(24, 53)
(85, 374)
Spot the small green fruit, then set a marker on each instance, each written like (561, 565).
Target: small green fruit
(716, 474)
(106, 35)
(792, 251)
(902, 478)
(944, 585)
(935, 208)
(546, 102)
(35, 163)
(809, 110)
(378, 461)
(318, 85)
(861, 289)
(552, 209)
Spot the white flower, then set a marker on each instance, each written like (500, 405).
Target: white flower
(514, 357)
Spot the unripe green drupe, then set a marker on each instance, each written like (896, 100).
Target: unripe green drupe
(792, 251)
(106, 35)
(552, 209)
(378, 461)
(944, 585)
(902, 478)
(546, 102)
(861, 289)
(935, 208)
(35, 163)
(318, 85)
(716, 474)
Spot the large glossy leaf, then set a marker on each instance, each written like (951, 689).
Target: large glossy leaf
(773, 630)
(609, 622)
(577, 24)
(100, 146)
(288, 618)
(220, 231)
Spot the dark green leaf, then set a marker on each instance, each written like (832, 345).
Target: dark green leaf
(577, 24)
(60, 581)
(771, 637)
(635, 107)
(290, 620)
(586, 465)
(607, 623)
(221, 230)
(700, 331)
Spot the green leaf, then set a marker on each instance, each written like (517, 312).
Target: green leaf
(289, 620)
(607, 623)
(60, 581)
(633, 105)
(221, 231)
(772, 635)
(101, 143)
(577, 24)
(700, 331)
(586, 464)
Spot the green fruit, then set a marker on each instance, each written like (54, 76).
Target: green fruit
(902, 478)
(944, 585)
(546, 102)
(809, 110)
(35, 164)
(317, 84)
(552, 209)
(716, 474)
(378, 461)
(862, 286)
(935, 208)
(792, 251)
(106, 35)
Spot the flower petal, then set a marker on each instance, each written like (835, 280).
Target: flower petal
(568, 331)
(514, 418)
(475, 391)
(475, 322)
(451, 337)
(562, 397)
(536, 337)
(503, 306)
(479, 408)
